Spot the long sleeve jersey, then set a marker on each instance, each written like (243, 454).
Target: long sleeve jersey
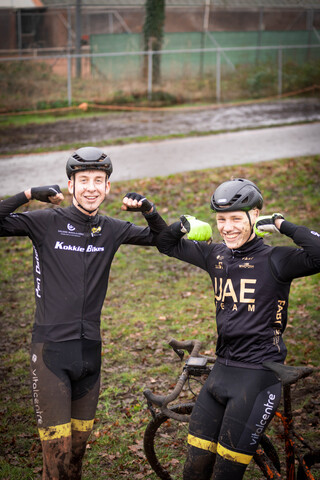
(72, 255)
(251, 288)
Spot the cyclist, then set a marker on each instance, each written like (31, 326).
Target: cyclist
(73, 250)
(251, 282)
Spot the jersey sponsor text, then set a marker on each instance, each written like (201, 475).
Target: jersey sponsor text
(268, 411)
(76, 248)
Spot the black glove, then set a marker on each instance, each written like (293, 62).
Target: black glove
(43, 193)
(146, 205)
(265, 225)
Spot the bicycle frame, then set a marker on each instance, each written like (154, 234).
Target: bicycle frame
(289, 435)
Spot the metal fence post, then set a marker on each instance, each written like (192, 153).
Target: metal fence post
(69, 80)
(150, 60)
(280, 72)
(218, 76)
(19, 31)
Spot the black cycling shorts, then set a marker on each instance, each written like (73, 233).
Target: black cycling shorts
(232, 411)
(65, 383)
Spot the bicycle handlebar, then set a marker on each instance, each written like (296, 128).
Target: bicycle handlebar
(163, 400)
(193, 348)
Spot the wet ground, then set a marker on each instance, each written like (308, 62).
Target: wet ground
(152, 123)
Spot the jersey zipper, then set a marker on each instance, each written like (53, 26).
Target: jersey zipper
(85, 280)
(227, 314)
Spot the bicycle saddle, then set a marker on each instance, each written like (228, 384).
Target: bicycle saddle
(287, 374)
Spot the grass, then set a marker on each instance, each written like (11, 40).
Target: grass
(26, 118)
(151, 298)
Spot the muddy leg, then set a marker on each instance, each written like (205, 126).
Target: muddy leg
(228, 470)
(199, 464)
(56, 458)
(79, 443)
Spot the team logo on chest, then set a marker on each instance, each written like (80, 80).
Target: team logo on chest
(243, 293)
(246, 265)
(70, 231)
(95, 231)
(219, 266)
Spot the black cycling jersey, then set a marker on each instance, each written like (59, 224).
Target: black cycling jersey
(251, 287)
(72, 258)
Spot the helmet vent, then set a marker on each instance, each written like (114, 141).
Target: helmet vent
(235, 198)
(80, 159)
(245, 200)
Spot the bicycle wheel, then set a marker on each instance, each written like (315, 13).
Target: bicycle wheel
(312, 461)
(165, 443)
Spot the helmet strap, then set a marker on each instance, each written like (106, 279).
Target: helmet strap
(247, 213)
(251, 226)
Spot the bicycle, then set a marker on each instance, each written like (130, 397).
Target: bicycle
(166, 434)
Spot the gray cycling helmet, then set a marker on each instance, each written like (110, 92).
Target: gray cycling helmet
(89, 158)
(237, 194)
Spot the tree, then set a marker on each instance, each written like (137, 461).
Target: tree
(153, 33)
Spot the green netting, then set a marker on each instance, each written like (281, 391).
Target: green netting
(179, 64)
(117, 66)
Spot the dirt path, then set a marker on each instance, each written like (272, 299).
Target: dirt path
(133, 124)
(169, 156)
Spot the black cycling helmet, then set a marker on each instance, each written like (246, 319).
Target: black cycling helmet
(88, 158)
(237, 194)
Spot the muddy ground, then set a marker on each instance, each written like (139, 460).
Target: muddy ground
(151, 123)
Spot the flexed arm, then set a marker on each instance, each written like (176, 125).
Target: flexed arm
(289, 262)
(170, 242)
(10, 204)
(136, 202)
(50, 194)
(14, 224)
(309, 243)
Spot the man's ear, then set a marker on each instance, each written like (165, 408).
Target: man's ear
(108, 186)
(70, 186)
(255, 212)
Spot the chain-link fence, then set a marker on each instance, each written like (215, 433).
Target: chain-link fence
(263, 69)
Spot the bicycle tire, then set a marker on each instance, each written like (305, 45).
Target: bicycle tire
(165, 441)
(312, 460)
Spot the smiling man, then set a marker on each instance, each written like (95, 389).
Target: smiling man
(251, 282)
(73, 250)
